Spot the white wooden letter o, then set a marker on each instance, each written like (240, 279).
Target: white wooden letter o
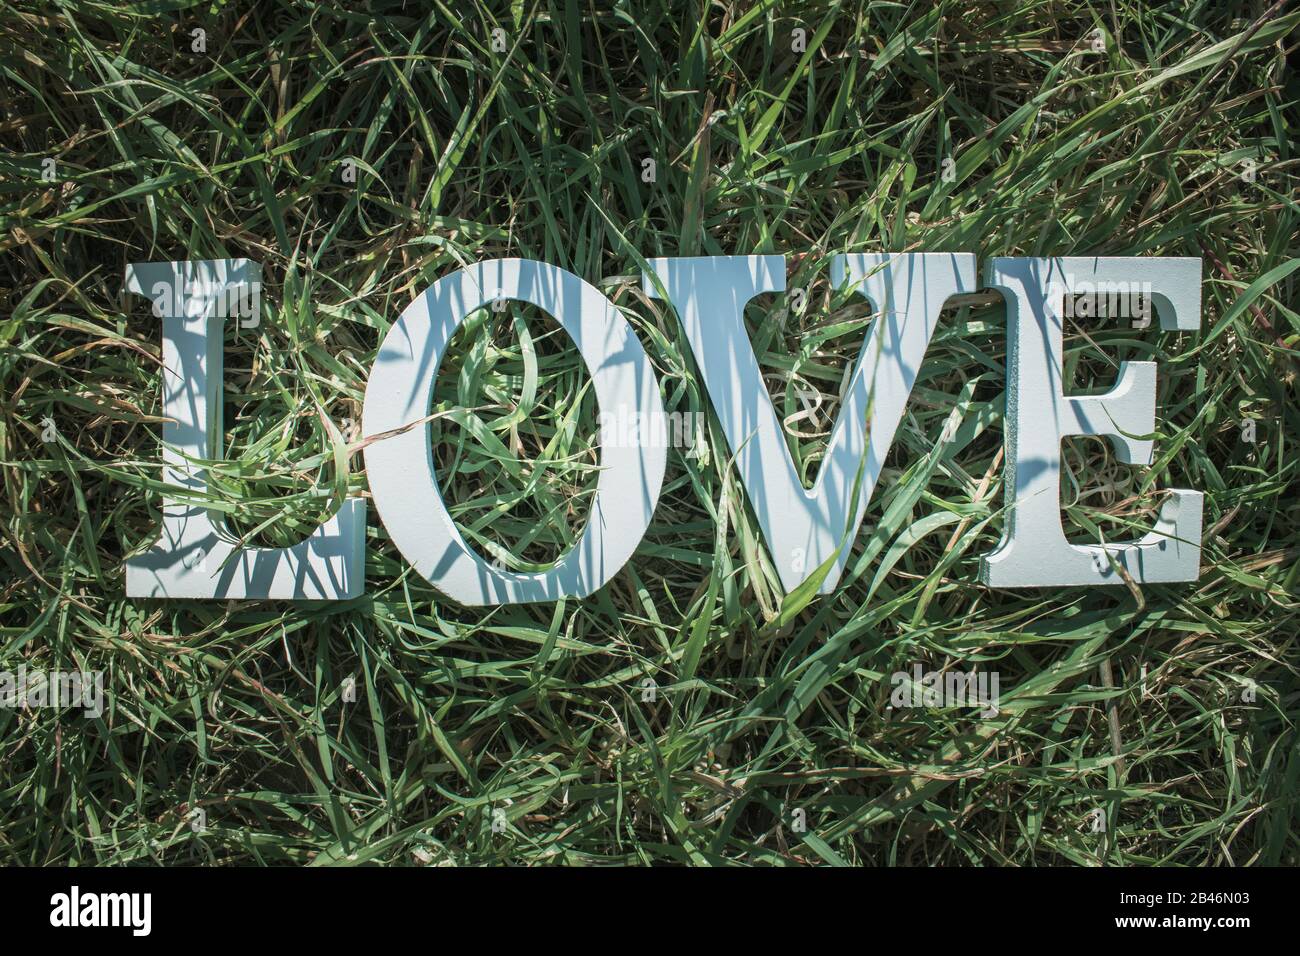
(400, 463)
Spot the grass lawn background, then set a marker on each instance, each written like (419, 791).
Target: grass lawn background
(1171, 132)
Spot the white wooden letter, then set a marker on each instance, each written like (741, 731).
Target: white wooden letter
(196, 556)
(805, 529)
(400, 463)
(1034, 551)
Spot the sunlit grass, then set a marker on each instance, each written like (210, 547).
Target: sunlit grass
(120, 143)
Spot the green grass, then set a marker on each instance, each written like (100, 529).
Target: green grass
(465, 153)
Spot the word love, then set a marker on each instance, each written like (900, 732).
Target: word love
(809, 532)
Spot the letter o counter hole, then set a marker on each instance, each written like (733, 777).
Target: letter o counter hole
(517, 453)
